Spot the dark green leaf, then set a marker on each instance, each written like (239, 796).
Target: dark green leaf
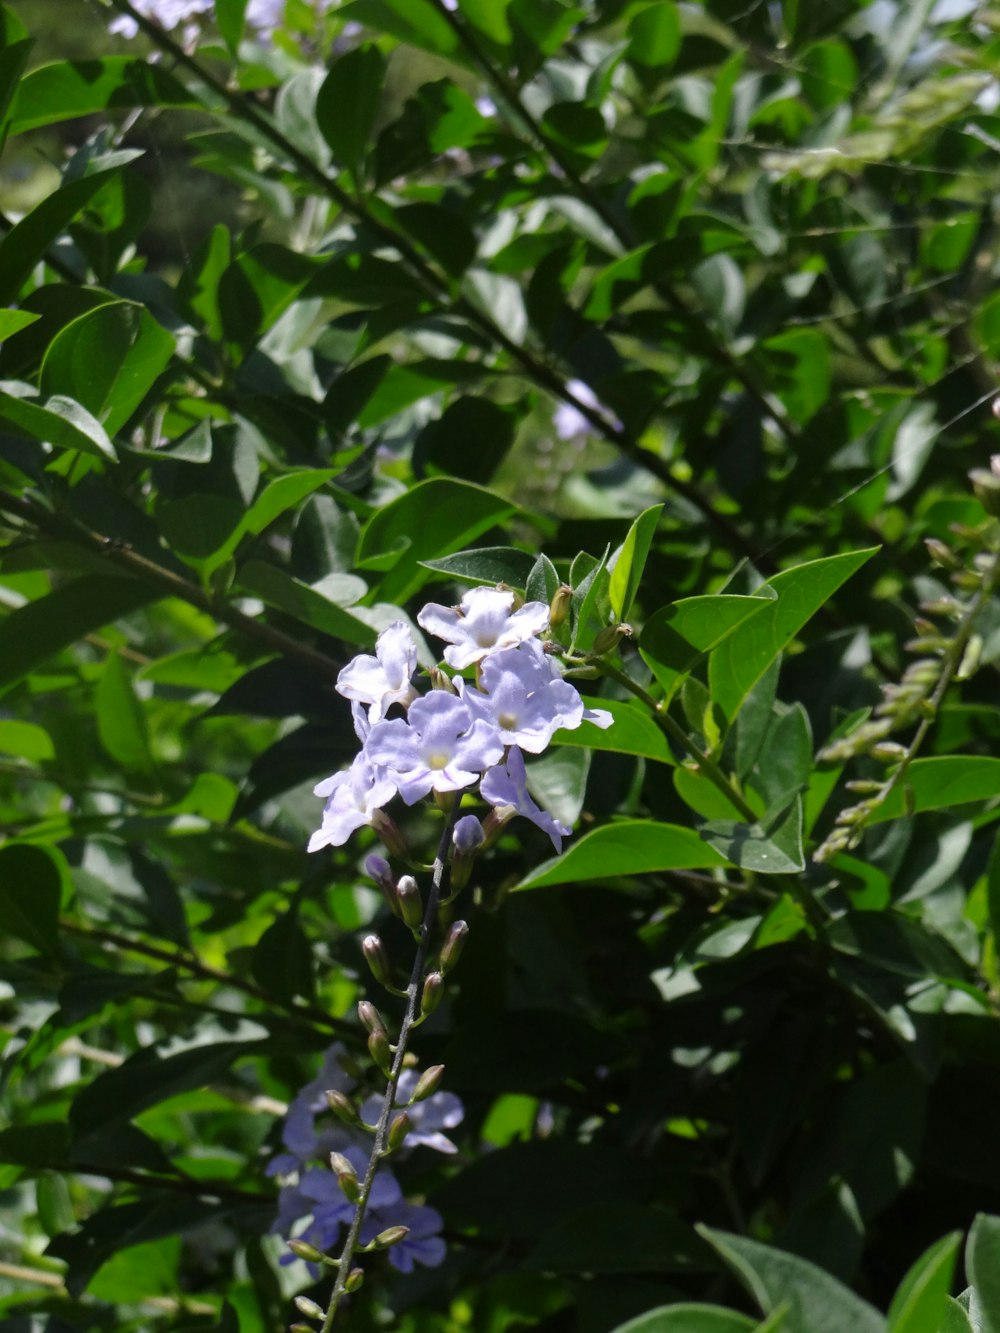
(686, 1318)
(443, 446)
(487, 565)
(59, 421)
(282, 960)
(934, 784)
(629, 847)
(919, 1303)
(121, 721)
(768, 851)
(981, 1268)
(81, 88)
(626, 572)
(33, 882)
(675, 637)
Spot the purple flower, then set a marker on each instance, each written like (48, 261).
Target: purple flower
(382, 680)
(467, 836)
(439, 747)
(569, 422)
(442, 1110)
(353, 797)
(481, 623)
(422, 1246)
(506, 786)
(298, 1133)
(526, 699)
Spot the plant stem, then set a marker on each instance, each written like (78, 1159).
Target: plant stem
(189, 962)
(706, 765)
(413, 992)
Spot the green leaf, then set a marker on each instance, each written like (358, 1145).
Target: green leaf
(589, 606)
(543, 581)
(919, 1303)
(655, 36)
(675, 637)
(933, 784)
(59, 421)
(348, 102)
(121, 720)
(618, 1238)
(27, 241)
(489, 17)
(32, 633)
(817, 1302)
(954, 1320)
(688, 1318)
(282, 960)
(431, 520)
(230, 18)
(767, 850)
(632, 732)
(33, 882)
(982, 1269)
(487, 565)
(13, 320)
(628, 847)
(108, 359)
(297, 599)
(443, 445)
(414, 21)
(741, 659)
(26, 739)
(69, 89)
(628, 564)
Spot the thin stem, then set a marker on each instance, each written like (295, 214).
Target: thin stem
(172, 585)
(191, 963)
(413, 992)
(706, 765)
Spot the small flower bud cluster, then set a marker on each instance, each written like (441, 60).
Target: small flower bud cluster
(944, 654)
(458, 735)
(317, 1202)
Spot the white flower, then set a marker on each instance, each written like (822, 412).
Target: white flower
(482, 623)
(384, 679)
(438, 748)
(353, 798)
(505, 787)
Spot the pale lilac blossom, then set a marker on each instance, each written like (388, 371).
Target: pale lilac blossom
(439, 747)
(385, 679)
(483, 622)
(569, 422)
(428, 1118)
(169, 14)
(506, 787)
(423, 1245)
(303, 1142)
(467, 836)
(353, 797)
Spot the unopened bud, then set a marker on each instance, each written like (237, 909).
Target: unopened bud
(888, 752)
(377, 959)
(467, 839)
(380, 871)
(342, 1107)
(390, 1236)
(864, 786)
(559, 606)
(354, 1279)
(301, 1328)
(305, 1251)
(440, 680)
(399, 1127)
(432, 993)
(347, 1177)
(607, 639)
(427, 1084)
(307, 1307)
(986, 487)
(370, 1017)
(494, 822)
(454, 943)
(380, 1051)
(942, 554)
(411, 905)
(389, 834)
(969, 664)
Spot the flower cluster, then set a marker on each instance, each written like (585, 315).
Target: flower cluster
(464, 732)
(312, 1206)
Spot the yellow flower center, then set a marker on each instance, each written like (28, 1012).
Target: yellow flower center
(507, 722)
(437, 761)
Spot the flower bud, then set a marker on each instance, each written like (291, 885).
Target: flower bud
(986, 487)
(390, 1236)
(427, 1084)
(370, 1017)
(467, 838)
(380, 1050)
(562, 599)
(377, 959)
(342, 1107)
(379, 869)
(399, 1127)
(389, 834)
(432, 993)
(307, 1307)
(303, 1250)
(942, 554)
(607, 639)
(301, 1328)
(889, 752)
(440, 680)
(411, 905)
(454, 943)
(493, 824)
(354, 1279)
(347, 1177)
(970, 658)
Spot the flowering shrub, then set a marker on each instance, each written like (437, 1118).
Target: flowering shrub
(547, 427)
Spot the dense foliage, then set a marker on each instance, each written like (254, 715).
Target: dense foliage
(676, 321)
